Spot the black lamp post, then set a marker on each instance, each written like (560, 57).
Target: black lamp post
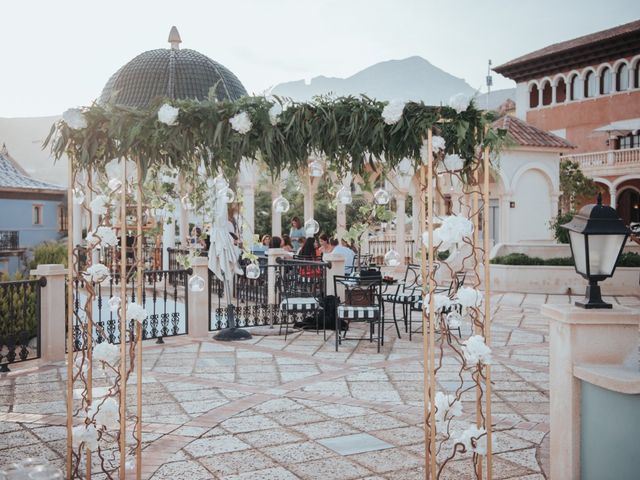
(597, 236)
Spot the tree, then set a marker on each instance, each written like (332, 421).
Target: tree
(575, 186)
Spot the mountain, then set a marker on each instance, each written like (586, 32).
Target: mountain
(413, 78)
(496, 98)
(24, 138)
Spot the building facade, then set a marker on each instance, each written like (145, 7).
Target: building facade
(31, 212)
(587, 90)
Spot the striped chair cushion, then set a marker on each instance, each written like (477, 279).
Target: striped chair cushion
(348, 311)
(404, 296)
(300, 304)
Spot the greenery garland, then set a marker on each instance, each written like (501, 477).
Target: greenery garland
(349, 131)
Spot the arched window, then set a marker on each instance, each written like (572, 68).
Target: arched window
(574, 87)
(561, 91)
(546, 93)
(605, 81)
(590, 85)
(636, 75)
(622, 78)
(534, 96)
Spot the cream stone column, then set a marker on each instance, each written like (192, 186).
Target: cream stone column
(184, 214)
(401, 236)
(581, 337)
(310, 187)
(168, 237)
(247, 182)
(276, 217)
(613, 196)
(341, 210)
(415, 220)
(198, 304)
(272, 260)
(505, 211)
(52, 312)
(337, 268)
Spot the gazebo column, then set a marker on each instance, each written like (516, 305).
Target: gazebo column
(401, 236)
(247, 182)
(341, 210)
(77, 224)
(310, 188)
(168, 237)
(276, 217)
(184, 214)
(505, 211)
(415, 220)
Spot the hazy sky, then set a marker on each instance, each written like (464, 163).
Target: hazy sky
(58, 54)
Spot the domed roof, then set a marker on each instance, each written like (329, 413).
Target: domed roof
(170, 72)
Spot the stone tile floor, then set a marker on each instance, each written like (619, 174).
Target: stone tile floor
(267, 408)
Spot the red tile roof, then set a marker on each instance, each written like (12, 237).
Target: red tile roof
(620, 37)
(526, 135)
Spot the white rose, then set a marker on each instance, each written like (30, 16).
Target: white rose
(469, 297)
(476, 351)
(106, 352)
(136, 312)
(459, 102)
(74, 118)
(241, 123)
(274, 113)
(453, 163)
(438, 144)
(105, 413)
(104, 235)
(447, 406)
(474, 439)
(454, 320)
(440, 301)
(392, 111)
(168, 114)
(86, 434)
(97, 273)
(99, 205)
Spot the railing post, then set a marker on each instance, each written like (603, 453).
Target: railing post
(337, 268)
(272, 255)
(198, 303)
(611, 157)
(52, 312)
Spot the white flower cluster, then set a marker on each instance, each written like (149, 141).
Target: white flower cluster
(476, 351)
(86, 434)
(459, 102)
(469, 297)
(168, 114)
(453, 163)
(136, 312)
(454, 320)
(241, 122)
(107, 353)
(438, 144)
(474, 440)
(447, 407)
(392, 111)
(440, 301)
(105, 236)
(105, 412)
(97, 273)
(74, 118)
(454, 229)
(99, 205)
(274, 113)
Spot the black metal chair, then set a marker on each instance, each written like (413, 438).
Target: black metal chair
(302, 286)
(362, 303)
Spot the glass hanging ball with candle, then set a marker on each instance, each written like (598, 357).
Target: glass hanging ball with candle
(281, 205)
(344, 196)
(311, 227)
(381, 197)
(392, 258)
(196, 283)
(253, 271)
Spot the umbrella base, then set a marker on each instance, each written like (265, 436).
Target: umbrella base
(231, 334)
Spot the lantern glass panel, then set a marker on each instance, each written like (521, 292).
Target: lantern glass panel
(579, 253)
(603, 253)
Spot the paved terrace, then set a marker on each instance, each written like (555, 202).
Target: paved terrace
(270, 409)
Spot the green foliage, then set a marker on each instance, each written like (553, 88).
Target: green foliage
(575, 186)
(627, 259)
(48, 253)
(349, 131)
(561, 234)
(18, 316)
(517, 259)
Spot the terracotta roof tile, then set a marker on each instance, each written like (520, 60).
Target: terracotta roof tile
(526, 135)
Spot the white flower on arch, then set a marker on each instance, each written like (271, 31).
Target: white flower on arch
(105, 236)
(136, 312)
(474, 440)
(168, 114)
(241, 122)
(447, 407)
(107, 353)
(105, 413)
(459, 102)
(97, 273)
(87, 435)
(74, 118)
(476, 351)
(392, 111)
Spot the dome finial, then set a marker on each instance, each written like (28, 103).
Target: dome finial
(174, 38)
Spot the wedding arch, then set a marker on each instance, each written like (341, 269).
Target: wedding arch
(112, 150)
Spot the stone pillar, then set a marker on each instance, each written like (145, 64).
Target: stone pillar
(168, 238)
(310, 186)
(337, 268)
(52, 312)
(272, 255)
(341, 210)
(581, 337)
(247, 182)
(184, 214)
(198, 305)
(505, 210)
(415, 220)
(401, 236)
(613, 196)
(276, 217)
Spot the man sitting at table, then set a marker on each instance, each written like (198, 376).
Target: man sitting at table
(348, 256)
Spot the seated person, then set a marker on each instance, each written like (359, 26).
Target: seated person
(348, 255)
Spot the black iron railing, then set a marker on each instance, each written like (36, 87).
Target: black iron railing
(165, 296)
(110, 257)
(20, 323)
(9, 240)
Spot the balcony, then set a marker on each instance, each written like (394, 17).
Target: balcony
(9, 240)
(609, 162)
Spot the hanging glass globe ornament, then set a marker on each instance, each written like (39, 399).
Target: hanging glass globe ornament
(114, 184)
(392, 258)
(186, 202)
(344, 196)
(196, 283)
(281, 205)
(114, 304)
(252, 271)
(78, 196)
(316, 169)
(381, 197)
(311, 227)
